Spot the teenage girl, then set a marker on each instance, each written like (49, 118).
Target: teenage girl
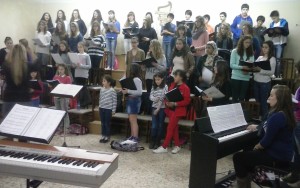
(75, 37)
(47, 18)
(61, 33)
(130, 23)
(76, 18)
(82, 67)
(61, 16)
(63, 52)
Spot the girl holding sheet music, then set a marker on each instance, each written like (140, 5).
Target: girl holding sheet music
(262, 78)
(82, 67)
(175, 111)
(63, 77)
(76, 18)
(133, 28)
(240, 74)
(59, 34)
(199, 37)
(75, 37)
(181, 33)
(146, 34)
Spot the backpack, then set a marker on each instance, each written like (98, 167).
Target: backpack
(126, 145)
(78, 129)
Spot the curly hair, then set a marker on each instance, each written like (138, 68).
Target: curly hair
(157, 51)
(228, 32)
(240, 47)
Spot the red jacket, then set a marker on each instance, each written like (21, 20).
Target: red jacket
(180, 109)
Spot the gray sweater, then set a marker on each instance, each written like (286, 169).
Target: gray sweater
(85, 64)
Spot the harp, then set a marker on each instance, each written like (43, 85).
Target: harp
(162, 12)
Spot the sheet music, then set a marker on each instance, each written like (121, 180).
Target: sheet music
(18, 120)
(38, 41)
(56, 39)
(226, 117)
(211, 92)
(207, 75)
(57, 59)
(45, 124)
(67, 89)
(74, 58)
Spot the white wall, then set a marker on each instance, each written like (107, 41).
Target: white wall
(19, 18)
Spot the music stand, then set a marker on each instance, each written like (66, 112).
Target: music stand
(66, 91)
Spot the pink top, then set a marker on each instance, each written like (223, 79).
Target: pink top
(63, 79)
(201, 43)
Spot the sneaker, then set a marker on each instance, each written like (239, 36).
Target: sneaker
(176, 149)
(152, 145)
(160, 150)
(134, 139)
(105, 140)
(101, 139)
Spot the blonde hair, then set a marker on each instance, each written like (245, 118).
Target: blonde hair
(24, 42)
(157, 52)
(17, 63)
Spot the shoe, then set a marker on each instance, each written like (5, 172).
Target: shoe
(160, 150)
(151, 145)
(134, 139)
(292, 179)
(101, 139)
(105, 140)
(175, 150)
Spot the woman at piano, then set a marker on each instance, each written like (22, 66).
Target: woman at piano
(221, 81)
(275, 148)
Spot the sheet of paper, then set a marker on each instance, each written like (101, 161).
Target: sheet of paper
(57, 59)
(74, 57)
(214, 93)
(18, 119)
(56, 39)
(45, 124)
(226, 117)
(38, 41)
(207, 75)
(67, 89)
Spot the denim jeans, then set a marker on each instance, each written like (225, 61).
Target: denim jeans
(105, 116)
(279, 54)
(168, 52)
(111, 45)
(261, 94)
(158, 124)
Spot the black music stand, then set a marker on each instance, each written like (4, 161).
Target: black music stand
(68, 96)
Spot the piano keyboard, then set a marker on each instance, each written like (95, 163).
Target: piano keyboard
(234, 135)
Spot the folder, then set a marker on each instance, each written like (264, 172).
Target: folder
(52, 83)
(265, 65)
(147, 62)
(34, 84)
(274, 30)
(246, 63)
(174, 95)
(128, 83)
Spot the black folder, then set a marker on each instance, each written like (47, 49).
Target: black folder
(274, 30)
(53, 83)
(128, 83)
(174, 95)
(265, 65)
(34, 84)
(245, 63)
(147, 62)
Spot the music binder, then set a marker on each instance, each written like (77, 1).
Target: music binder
(147, 62)
(174, 95)
(246, 63)
(212, 92)
(52, 83)
(66, 90)
(274, 30)
(74, 58)
(265, 65)
(34, 84)
(31, 123)
(128, 83)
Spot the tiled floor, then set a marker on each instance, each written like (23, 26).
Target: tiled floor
(136, 170)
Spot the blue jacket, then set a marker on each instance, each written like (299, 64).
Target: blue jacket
(277, 139)
(284, 24)
(235, 26)
(168, 38)
(113, 34)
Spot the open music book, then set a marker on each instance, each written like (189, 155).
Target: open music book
(57, 59)
(38, 41)
(211, 92)
(66, 90)
(226, 117)
(31, 123)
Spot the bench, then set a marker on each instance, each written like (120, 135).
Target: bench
(82, 116)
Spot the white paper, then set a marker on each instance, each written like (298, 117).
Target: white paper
(38, 41)
(207, 75)
(212, 92)
(226, 117)
(57, 59)
(74, 58)
(67, 90)
(56, 39)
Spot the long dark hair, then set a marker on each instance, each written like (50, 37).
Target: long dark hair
(159, 75)
(72, 17)
(49, 22)
(240, 47)
(63, 16)
(135, 70)
(284, 104)
(110, 80)
(183, 52)
(63, 32)
(271, 48)
(222, 74)
(99, 17)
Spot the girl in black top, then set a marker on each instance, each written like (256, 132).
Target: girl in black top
(76, 18)
(47, 18)
(146, 34)
(130, 23)
(3, 52)
(224, 37)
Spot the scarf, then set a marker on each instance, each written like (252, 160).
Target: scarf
(210, 58)
(197, 34)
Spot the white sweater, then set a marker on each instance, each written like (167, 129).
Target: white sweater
(45, 39)
(264, 76)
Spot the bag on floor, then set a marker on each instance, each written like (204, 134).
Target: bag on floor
(126, 145)
(78, 129)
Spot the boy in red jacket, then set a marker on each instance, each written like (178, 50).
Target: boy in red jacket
(175, 111)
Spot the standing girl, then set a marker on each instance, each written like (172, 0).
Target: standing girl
(47, 18)
(133, 103)
(134, 55)
(4, 51)
(97, 17)
(224, 37)
(112, 31)
(96, 50)
(61, 16)
(175, 112)
(107, 106)
(146, 34)
(130, 23)
(75, 37)
(31, 57)
(63, 52)
(62, 103)
(157, 53)
(199, 37)
(82, 67)
(61, 34)
(157, 96)
(76, 18)
(35, 93)
(262, 78)
(240, 74)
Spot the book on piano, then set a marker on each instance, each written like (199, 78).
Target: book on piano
(52, 83)
(31, 123)
(127, 83)
(66, 90)
(265, 65)
(174, 95)
(211, 92)
(34, 84)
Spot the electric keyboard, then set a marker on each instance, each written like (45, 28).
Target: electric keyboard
(56, 164)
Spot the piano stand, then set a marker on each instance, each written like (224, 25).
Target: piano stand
(33, 183)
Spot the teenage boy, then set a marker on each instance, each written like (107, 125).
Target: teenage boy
(209, 28)
(259, 29)
(237, 24)
(223, 17)
(168, 32)
(188, 24)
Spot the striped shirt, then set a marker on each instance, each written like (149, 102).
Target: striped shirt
(108, 99)
(97, 45)
(157, 96)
